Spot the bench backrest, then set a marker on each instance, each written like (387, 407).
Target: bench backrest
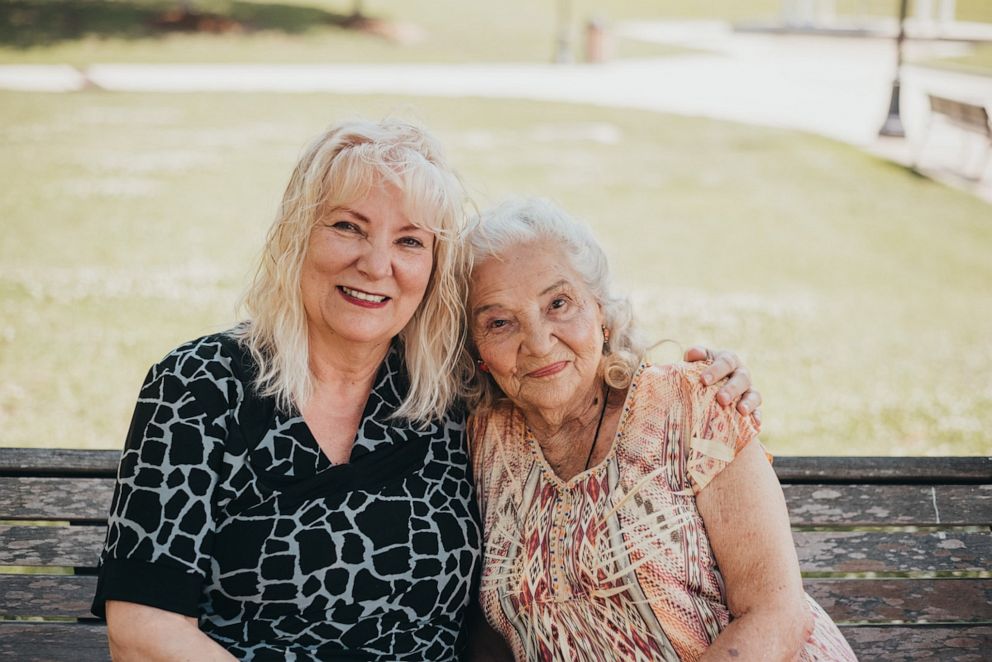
(897, 550)
(969, 116)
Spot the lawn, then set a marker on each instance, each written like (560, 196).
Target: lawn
(81, 32)
(857, 292)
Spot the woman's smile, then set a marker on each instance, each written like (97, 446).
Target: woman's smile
(548, 370)
(362, 298)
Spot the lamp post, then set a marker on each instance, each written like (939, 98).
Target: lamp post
(892, 127)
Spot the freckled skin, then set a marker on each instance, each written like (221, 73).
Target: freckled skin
(531, 313)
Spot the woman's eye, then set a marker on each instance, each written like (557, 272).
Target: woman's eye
(497, 324)
(558, 302)
(411, 242)
(345, 226)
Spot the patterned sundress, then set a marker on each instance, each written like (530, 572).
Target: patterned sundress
(615, 562)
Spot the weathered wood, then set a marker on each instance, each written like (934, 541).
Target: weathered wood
(46, 595)
(77, 546)
(906, 600)
(921, 643)
(894, 505)
(68, 499)
(88, 499)
(846, 600)
(59, 462)
(873, 470)
(897, 551)
(45, 642)
(790, 469)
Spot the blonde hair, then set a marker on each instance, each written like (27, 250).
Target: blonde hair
(529, 220)
(337, 168)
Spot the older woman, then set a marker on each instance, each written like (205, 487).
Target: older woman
(297, 487)
(626, 515)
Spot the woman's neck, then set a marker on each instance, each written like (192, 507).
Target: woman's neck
(551, 425)
(339, 364)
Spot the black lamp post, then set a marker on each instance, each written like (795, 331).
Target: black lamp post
(892, 127)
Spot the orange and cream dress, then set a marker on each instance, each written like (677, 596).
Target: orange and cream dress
(614, 564)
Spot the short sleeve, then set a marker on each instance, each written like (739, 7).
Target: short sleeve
(162, 519)
(717, 434)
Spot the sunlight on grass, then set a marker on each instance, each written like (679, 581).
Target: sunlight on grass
(857, 293)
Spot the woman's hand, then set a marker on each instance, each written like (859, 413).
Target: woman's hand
(748, 527)
(139, 632)
(738, 387)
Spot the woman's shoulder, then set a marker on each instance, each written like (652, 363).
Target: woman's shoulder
(681, 374)
(214, 369)
(213, 356)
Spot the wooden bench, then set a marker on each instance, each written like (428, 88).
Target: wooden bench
(897, 550)
(965, 116)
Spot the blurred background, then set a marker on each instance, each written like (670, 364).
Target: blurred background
(726, 152)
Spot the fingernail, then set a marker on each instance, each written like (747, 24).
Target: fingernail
(707, 378)
(746, 408)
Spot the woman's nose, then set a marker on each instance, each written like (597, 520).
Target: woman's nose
(376, 261)
(538, 339)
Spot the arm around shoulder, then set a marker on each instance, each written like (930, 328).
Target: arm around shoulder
(138, 632)
(746, 520)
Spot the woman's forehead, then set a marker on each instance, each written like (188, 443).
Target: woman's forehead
(523, 273)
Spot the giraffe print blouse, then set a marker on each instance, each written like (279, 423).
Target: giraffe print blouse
(226, 510)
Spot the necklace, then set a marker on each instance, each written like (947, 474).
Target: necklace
(602, 415)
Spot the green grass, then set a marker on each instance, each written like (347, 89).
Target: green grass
(81, 32)
(857, 292)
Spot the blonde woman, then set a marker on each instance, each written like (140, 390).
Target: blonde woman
(297, 487)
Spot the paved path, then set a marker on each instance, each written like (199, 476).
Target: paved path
(835, 87)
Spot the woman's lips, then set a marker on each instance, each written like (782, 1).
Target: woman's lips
(548, 370)
(362, 298)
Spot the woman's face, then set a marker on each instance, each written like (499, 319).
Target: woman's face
(366, 270)
(538, 329)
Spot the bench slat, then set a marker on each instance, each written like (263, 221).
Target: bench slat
(58, 462)
(44, 642)
(88, 499)
(846, 600)
(32, 642)
(897, 551)
(892, 505)
(887, 600)
(47, 595)
(819, 551)
(790, 469)
(875, 470)
(77, 546)
(70, 499)
(921, 643)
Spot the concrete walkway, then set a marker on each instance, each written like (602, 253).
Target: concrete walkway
(836, 87)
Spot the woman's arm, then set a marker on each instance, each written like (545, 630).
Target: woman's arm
(141, 633)
(746, 520)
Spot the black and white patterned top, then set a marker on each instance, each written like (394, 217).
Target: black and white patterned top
(227, 510)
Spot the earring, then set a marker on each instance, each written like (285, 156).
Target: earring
(606, 340)
(481, 365)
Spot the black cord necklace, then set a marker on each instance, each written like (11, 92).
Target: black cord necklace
(602, 415)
